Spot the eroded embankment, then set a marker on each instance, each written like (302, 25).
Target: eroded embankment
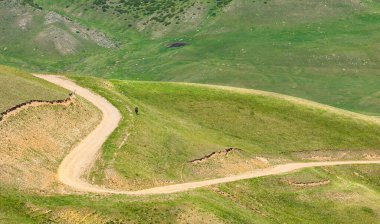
(213, 154)
(34, 141)
(35, 103)
(308, 184)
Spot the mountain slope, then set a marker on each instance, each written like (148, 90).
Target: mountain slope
(325, 51)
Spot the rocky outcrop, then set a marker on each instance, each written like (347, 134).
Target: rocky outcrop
(94, 35)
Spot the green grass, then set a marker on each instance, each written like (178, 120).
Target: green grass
(325, 51)
(337, 202)
(347, 198)
(178, 123)
(18, 87)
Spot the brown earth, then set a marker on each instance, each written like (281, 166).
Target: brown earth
(35, 103)
(223, 153)
(35, 139)
(223, 163)
(328, 155)
(308, 184)
(67, 215)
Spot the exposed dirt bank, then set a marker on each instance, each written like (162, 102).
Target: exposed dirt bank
(35, 103)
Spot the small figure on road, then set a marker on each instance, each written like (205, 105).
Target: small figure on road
(137, 110)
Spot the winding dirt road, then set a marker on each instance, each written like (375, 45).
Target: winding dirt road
(78, 161)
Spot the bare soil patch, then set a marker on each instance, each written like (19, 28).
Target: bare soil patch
(331, 155)
(35, 103)
(35, 139)
(63, 41)
(308, 184)
(224, 152)
(96, 36)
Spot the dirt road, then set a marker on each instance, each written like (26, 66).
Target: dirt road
(81, 158)
(78, 161)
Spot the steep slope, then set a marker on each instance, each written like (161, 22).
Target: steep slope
(18, 87)
(180, 123)
(35, 139)
(31, 34)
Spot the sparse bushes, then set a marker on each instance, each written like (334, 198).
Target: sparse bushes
(31, 3)
(160, 11)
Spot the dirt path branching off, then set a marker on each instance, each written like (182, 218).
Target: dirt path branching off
(77, 162)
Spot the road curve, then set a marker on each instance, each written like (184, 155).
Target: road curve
(76, 163)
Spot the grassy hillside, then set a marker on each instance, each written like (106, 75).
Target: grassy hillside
(34, 37)
(174, 126)
(179, 123)
(350, 195)
(18, 87)
(34, 141)
(320, 50)
(326, 51)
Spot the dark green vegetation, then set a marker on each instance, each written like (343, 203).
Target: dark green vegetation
(31, 3)
(352, 195)
(179, 123)
(320, 50)
(18, 87)
(161, 11)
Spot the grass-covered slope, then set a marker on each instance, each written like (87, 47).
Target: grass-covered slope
(348, 194)
(321, 50)
(18, 87)
(169, 131)
(179, 123)
(33, 37)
